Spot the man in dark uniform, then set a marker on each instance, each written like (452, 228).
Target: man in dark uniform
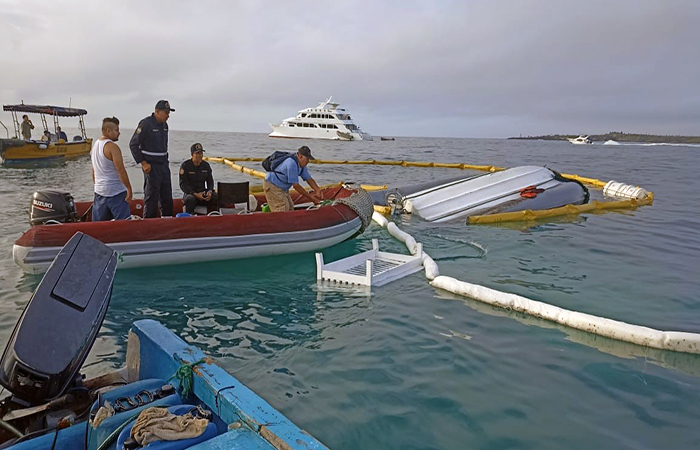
(197, 181)
(149, 146)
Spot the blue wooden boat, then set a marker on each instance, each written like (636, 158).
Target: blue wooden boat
(51, 407)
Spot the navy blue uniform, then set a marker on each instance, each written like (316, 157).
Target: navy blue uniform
(150, 143)
(196, 179)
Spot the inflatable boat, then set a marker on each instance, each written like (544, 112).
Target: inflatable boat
(168, 396)
(178, 240)
(515, 189)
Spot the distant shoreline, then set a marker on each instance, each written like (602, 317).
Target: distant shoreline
(619, 136)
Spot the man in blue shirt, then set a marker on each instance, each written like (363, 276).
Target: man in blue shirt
(149, 146)
(286, 175)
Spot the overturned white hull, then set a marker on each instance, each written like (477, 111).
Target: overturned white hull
(516, 189)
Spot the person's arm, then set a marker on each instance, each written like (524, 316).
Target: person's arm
(184, 184)
(114, 153)
(135, 145)
(301, 191)
(316, 190)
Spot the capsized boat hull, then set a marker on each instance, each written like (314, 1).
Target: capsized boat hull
(180, 240)
(18, 151)
(515, 189)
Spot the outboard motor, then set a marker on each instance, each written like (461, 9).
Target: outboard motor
(60, 323)
(52, 205)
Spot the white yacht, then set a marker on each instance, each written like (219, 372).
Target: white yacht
(580, 140)
(325, 121)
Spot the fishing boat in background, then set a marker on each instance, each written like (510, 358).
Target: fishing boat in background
(245, 233)
(580, 140)
(325, 121)
(169, 395)
(515, 189)
(16, 150)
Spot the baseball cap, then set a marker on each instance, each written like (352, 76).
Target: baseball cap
(196, 148)
(164, 105)
(305, 151)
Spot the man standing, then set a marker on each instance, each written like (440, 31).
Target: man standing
(112, 186)
(27, 127)
(277, 183)
(149, 146)
(197, 181)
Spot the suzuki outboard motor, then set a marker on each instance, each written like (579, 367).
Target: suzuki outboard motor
(52, 205)
(60, 323)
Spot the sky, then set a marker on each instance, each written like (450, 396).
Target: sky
(471, 68)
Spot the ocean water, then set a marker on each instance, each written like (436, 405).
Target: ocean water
(406, 366)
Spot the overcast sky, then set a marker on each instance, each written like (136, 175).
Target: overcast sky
(405, 68)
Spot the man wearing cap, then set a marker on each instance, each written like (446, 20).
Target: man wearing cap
(149, 146)
(277, 183)
(197, 181)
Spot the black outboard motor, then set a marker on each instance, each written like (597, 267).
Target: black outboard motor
(60, 323)
(52, 205)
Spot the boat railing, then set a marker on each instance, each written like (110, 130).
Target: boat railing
(6, 130)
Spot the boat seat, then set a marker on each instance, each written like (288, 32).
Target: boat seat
(200, 210)
(233, 197)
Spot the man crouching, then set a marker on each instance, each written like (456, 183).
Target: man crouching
(197, 181)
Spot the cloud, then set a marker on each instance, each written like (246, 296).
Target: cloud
(471, 69)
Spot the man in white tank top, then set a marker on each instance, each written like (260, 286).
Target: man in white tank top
(112, 186)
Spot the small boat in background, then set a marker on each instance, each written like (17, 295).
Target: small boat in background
(515, 189)
(52, 406)
(325, 121)
(168, 240)
(387, 138)
(19, 151)
(580, 140)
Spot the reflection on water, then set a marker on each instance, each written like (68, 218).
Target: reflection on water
(683, 362)
(395, 367)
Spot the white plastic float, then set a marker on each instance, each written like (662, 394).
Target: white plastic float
(676, 341)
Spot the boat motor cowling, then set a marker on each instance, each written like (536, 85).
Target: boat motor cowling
(60, 323)
(52, 205)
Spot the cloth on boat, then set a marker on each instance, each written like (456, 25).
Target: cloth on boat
(106, 410)
(159, 424)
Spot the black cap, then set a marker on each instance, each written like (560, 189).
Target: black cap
(305, 151)
(164, 105)
(197, 147)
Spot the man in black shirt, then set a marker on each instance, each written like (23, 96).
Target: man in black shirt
(197, 181)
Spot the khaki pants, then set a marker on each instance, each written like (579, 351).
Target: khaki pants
(277, 199)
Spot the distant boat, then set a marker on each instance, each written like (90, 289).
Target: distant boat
(387, 138)
(580, 140)
(21, 151)
(325, 121)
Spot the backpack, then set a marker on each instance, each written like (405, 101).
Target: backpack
(275, 159)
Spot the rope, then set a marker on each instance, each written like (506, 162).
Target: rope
(185, 376)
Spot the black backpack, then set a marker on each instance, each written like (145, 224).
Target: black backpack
(275, 159)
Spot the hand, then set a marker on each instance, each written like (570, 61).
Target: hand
(128, 194)
(145, 167)
(206, 196)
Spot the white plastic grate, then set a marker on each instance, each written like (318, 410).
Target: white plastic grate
(370, 268)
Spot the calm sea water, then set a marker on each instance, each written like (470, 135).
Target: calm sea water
(406, 366)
